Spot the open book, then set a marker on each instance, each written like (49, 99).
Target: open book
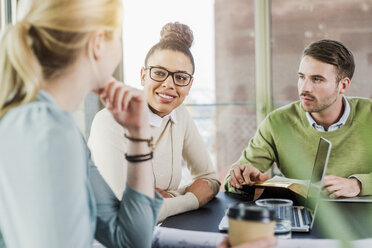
(296, 185)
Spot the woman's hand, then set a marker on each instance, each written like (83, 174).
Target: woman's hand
(201, 189)
(128, 106)
(163, 193)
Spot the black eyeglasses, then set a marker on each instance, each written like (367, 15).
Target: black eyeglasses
(160, 74)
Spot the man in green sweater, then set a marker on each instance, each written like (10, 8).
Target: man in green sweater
(289, 135)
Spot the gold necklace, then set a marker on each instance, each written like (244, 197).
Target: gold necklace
(154, 147)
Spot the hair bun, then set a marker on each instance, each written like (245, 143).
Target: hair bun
(177, 32)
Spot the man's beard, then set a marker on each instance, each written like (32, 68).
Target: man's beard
(316, 106)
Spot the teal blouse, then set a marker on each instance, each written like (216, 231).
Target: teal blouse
(52, 195)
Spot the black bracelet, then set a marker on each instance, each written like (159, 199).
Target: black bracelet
(138, 158)
(148, 141)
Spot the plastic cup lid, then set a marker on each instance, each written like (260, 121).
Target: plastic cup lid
(243, 211)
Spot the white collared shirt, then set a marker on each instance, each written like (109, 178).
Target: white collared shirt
(155, 120)
(336, 125)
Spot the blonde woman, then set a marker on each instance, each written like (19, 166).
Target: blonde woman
(167, 78)
(51, 194)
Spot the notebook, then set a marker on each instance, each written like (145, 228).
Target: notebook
(303, 216)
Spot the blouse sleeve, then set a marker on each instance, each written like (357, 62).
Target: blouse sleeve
(126, 223)
(43, 175)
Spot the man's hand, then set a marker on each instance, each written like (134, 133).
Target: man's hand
(163, 193)
(201, 189)
(246, 173)
(261, 243)
(338, 186)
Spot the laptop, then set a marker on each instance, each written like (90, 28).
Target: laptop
(350, 199)
(303, 216)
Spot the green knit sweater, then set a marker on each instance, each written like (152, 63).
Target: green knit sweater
(287, 138)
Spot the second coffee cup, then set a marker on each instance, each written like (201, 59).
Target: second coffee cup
(248, 223)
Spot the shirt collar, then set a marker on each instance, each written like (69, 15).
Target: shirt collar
(45, 97)
(336, 125)
(156, 121)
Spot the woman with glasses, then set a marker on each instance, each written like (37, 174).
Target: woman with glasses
(167, 78)
(51, 194)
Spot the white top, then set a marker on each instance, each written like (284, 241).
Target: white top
(156, 121)
(180, 141)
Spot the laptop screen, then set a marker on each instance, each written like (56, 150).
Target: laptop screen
(319, 169)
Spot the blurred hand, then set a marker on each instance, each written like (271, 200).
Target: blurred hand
(338, 186)
(261, 243)
(127, 105)
(201, 189)
(246, 173)
(163, 193)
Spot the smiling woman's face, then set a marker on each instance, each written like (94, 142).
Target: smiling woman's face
(165, 96)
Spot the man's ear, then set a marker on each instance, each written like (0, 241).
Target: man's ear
(98, 44)
(344, 85)
(143, 75)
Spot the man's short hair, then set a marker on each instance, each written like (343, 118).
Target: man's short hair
(334, 53)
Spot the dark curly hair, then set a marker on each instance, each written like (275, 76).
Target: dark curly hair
(176, 37)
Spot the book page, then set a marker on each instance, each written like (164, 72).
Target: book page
(296, 185)
(279, 179)
(171, 237)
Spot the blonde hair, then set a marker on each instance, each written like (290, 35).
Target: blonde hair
(47, 41)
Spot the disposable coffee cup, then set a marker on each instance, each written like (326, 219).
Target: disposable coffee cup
(249, 222)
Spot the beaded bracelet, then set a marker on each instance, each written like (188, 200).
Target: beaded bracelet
(139, 158)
